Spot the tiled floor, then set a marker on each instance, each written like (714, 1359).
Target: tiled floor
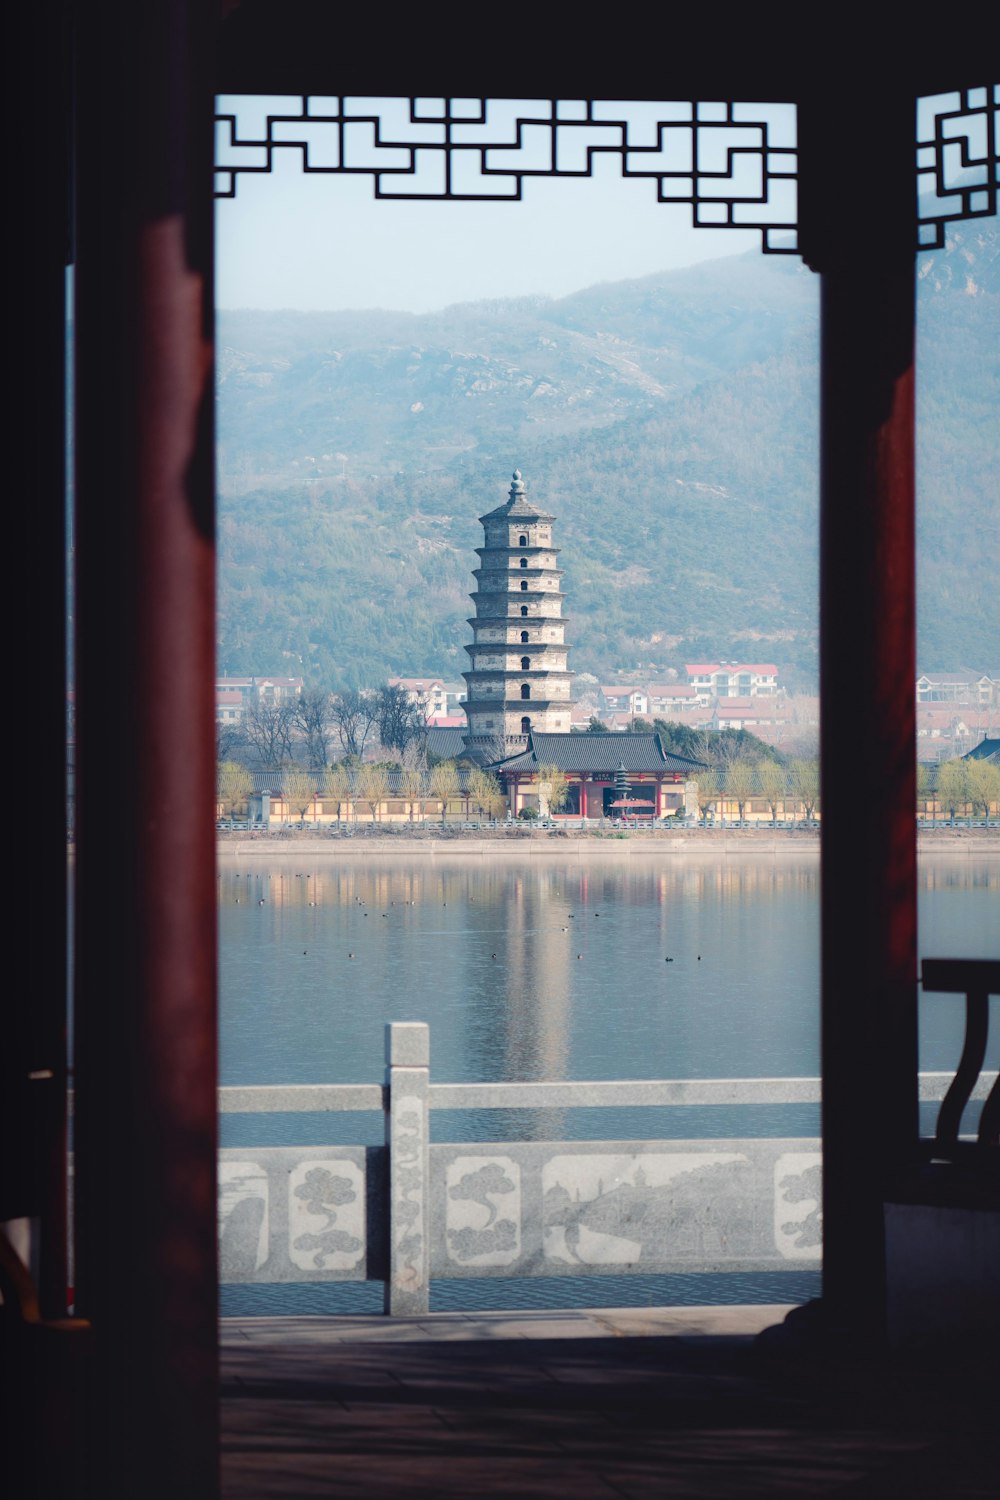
(608, 1403)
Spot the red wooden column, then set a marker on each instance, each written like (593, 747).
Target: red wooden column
(857, 218)
(145, 926)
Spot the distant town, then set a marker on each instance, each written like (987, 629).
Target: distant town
(956, 711)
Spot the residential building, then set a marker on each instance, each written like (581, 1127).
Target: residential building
(429, 693)
(963, 686)
(665, 698)
(229, 706)
(626, 700)
(269, 690)
(732, 679)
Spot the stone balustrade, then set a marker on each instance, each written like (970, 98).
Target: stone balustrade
(413, 1209)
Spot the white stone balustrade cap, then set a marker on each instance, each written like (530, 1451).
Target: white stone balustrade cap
(407, 1044)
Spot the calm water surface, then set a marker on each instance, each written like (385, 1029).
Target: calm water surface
(547, 970)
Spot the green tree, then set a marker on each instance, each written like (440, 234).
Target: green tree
(772, 783)
(235, 785)
(805, 786)
(708, 790)
(298, 788)
(983, 781)
(372, 786)
(444, 785)
(337, 786)
(953, 787)
(553, 788)
(738, 781)
(485, 793)
(412, 786)
(923, 788)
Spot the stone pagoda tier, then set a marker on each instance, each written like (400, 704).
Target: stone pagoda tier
(518, 680)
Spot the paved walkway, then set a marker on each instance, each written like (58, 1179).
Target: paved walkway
(625, 1403)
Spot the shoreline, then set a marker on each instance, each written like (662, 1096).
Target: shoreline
(714, 843)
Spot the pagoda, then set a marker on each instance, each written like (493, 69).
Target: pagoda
(518, 680)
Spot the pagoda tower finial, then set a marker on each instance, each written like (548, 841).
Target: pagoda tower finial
(517, 487)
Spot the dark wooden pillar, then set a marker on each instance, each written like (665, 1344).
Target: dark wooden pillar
(36, 249)
(857, 217)
(145, 927)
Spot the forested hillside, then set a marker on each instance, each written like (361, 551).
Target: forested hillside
(670, 424)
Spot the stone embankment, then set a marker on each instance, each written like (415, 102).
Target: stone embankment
(577, 843)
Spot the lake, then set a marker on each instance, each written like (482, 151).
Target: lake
(652, 967)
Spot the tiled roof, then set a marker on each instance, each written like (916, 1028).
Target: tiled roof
(271, 781)
(445, 743)
(962, 676)
(598, 752)
(517, 504)
(985, 750)
(699, 669)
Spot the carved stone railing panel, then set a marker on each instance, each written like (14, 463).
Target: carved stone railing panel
(591, 1208)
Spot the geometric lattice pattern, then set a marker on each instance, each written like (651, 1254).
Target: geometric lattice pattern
(733, 163)
(958, 159)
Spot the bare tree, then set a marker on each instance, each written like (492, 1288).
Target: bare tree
(401, 721)
(312, 719)
(444, 785)
(235, 785)
(493, 748)
(372, 786)
(298, 789)
(354, 714)
(228, 739)
(268, 729)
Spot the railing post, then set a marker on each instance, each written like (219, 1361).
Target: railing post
(407, 1135)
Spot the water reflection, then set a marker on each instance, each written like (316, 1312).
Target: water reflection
(548, 970)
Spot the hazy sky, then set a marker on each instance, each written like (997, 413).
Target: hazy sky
(322, 242)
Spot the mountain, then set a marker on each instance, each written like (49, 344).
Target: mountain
(670, 424)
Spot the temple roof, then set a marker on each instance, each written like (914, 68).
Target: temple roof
(517, 504)
(598, 752)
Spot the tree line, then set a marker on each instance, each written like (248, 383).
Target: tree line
(368, 784)
(317, 727)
